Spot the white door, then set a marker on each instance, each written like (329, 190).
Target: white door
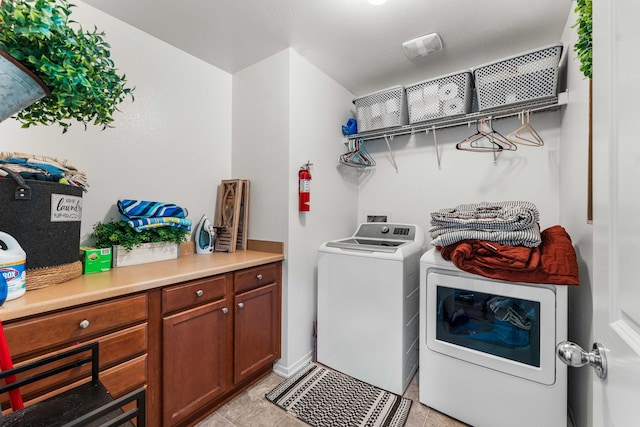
(616, 275)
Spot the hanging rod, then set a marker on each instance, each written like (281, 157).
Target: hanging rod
(467, 119)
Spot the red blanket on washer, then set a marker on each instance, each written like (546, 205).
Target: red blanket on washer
(554, 261)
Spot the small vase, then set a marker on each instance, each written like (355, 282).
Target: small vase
(19, 87)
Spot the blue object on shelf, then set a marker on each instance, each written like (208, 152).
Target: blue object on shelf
(351, 128)
(4, 289)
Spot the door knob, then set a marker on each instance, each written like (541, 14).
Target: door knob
(225, 310)
(575, 356)
(240, 305)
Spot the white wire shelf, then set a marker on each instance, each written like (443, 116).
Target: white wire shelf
(467, 119)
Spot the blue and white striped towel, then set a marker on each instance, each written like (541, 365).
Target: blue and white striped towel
(148, 223)
(134, 209)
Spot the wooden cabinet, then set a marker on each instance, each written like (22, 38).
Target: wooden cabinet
(194, 345)
(120, 326)
(257, 319)
(195, 360)
(219, 335)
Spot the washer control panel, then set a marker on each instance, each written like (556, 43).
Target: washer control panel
(373, 230)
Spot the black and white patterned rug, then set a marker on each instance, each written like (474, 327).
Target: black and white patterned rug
(325, 398)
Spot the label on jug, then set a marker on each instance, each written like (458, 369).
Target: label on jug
(16, 277)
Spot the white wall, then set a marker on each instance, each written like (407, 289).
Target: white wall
(260, 154)
(285, 113)
(173, 144)
(319, 107)
(261, 143)
(573, 216)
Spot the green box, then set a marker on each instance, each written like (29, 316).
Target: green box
(95, 260)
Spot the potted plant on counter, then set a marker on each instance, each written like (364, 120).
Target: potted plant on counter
(73, 64)
(138, 247)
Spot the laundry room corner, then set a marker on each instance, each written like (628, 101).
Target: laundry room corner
(286, 102)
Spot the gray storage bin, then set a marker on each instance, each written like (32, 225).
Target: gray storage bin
(44, 217)
(444, 96)
(383, 109)
(517, 79)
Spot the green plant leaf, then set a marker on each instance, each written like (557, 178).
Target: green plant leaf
(70, 61)
(120, 233)
(584, 45)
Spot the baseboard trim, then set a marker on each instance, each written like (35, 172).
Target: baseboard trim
(287, 371)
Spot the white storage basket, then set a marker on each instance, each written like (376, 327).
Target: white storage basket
(525, 77)
(444, 96)
(383, 109)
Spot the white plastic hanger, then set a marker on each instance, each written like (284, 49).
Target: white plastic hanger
(525, 134)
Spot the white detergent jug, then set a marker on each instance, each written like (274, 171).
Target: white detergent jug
(12, 266)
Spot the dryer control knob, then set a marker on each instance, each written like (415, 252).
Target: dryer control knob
(384, 230)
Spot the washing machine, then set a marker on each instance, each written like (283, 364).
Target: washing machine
(368, 288)
(487, 347)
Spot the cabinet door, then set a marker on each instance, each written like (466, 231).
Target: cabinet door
(257, 330)
(195, 359)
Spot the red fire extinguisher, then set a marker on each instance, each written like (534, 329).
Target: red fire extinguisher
(304, 178)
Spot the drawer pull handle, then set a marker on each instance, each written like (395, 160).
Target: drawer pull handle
(225, 310)
(199, 292)
(259, 277)
(240, 304)
(84, 324)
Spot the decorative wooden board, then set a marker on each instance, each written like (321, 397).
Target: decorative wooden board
(243, 217)
(232, 214)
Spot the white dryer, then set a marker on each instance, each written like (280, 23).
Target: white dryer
(487, 347)
(368, 287)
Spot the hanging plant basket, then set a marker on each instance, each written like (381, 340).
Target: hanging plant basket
(19, 87)
(74, 63)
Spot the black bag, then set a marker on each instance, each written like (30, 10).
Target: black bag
(44, 217)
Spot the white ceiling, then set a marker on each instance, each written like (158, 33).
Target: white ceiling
(357, 44)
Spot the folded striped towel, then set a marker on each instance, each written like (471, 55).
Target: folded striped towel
(45, 165)
(510, 215)
(133, 209)
(147, 223)
(529, 237)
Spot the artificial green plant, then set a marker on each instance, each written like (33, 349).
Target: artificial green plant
(584, 45)
(112, 233)
(74, 63)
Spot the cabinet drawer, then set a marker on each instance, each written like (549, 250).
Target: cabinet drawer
(122, 345)
(193, 293)
(50, 332)
(118, 380)
(114, 348)
(125, 377)
(254, 277)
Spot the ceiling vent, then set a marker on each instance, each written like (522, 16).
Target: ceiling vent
(422, 46)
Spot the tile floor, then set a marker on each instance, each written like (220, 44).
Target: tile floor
(251, 409)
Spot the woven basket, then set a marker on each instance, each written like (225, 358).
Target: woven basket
(43, 277)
